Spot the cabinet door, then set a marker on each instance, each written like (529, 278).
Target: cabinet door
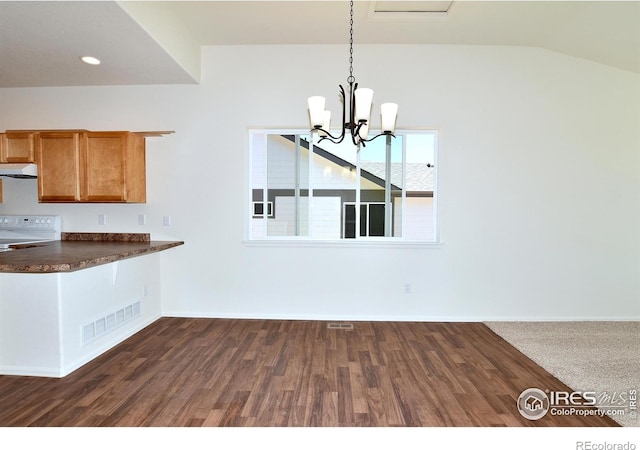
(58, 160)
(103, 162)
(113, 164)
(17, 147)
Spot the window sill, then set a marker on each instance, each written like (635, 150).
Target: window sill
(343, 243)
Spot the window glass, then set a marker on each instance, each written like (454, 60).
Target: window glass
(312, 190)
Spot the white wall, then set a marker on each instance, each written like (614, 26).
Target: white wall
(538, 178)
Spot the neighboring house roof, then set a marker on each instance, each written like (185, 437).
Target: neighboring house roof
(420, 177)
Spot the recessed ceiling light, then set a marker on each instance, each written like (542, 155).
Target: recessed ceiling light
(90, 60)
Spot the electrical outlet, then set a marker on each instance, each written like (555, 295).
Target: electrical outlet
(407, 288)
(142, 219)
(166, 221)
(102, 219)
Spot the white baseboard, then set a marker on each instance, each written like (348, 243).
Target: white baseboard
(387, 318)
(322, 317)
(19, 371)
(564, 319)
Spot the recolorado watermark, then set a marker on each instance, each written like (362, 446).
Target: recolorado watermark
(588, 445)
(534, 404)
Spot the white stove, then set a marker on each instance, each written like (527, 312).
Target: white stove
(16, 230)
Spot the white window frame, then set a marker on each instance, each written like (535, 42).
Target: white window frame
(359, 240)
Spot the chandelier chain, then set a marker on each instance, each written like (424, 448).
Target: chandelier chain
(351, 79)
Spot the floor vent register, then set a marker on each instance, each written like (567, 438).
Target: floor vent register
(109, 323)
(340, 326)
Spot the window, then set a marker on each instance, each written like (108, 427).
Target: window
(371, 219)
(258, 209)
(311, 190)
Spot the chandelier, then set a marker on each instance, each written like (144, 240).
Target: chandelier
(359, 106)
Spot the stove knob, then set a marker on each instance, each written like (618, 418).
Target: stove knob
(49, 220)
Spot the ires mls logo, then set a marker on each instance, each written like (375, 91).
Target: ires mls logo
(534, 404)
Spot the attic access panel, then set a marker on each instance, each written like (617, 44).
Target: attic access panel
(413, 7)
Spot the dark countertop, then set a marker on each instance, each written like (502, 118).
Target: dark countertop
(79, 251)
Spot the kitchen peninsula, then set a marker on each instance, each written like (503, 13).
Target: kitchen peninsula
(79, 251)
(63, 303)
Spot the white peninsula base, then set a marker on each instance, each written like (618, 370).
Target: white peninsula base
(53, 323)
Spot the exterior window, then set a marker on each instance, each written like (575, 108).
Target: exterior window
(371, 219)
(258, 209)
(324, 191)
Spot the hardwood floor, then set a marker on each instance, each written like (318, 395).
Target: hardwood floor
(237, 373)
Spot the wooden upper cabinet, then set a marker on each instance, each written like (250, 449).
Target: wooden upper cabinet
(17, 147)
(58, 160)
(114, 167)
(94, 166)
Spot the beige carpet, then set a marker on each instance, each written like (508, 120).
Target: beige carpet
(586, 356)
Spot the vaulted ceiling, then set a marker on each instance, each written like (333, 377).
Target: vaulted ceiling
(158, 42)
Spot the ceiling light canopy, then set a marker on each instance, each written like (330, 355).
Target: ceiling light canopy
(359, 105)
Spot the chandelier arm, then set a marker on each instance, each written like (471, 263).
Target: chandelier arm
(377, 136)
(354, 128)
(344, 102)
(355, 132)
(352, 104)
(330, 137)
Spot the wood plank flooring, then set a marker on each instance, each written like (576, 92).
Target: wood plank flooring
(272, 373)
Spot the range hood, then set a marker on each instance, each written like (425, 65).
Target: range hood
(16, 170)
